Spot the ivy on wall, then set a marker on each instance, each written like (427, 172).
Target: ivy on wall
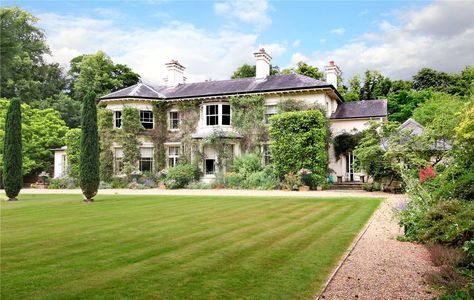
(159, 134)
(299, 140)
(73, 152)
(106, 138)
(131, 128)
(248, 119)
(189, 118)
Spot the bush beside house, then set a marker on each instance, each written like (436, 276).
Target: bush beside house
(299, 140)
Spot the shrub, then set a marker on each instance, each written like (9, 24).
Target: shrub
(247, 164)
(461, 188)
(12, 157)
(233, 180)
(262, 180)
(181, 175)
(119, 183)
(73, 152)
(299, 140)
(292, 182)
(62, 183)
(449, 222)
(105, 185)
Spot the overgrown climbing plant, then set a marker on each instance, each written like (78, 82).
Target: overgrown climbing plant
(248, 119)
(189, 117)
(159, 134)
(106, 138)
(131, 128)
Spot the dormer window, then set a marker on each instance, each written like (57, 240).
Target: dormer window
(146, 118)
(217, 114)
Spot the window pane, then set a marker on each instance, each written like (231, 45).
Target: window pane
(211, 115)
(225, 120)
(174, 120)
(146, 118)
(226, 109)
(146, 164)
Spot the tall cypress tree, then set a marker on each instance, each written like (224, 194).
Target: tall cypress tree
(89, 162)
(12, 160)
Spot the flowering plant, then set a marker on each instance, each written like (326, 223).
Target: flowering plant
(427, 173)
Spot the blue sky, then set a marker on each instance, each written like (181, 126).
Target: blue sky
(212, 38)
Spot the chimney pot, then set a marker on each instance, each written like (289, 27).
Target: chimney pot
(175, 73)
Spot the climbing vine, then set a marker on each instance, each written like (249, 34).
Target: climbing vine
(131, 128)
(220, 142)
(248, 119)
(106, 138)
(159, 134)
(189, 117)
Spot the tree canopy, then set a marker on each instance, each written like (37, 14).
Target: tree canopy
(42, 130)
(97, 73)
(303, 68)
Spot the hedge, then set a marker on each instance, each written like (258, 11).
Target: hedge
(299, 140)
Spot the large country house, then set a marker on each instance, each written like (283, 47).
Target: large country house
(215, 113)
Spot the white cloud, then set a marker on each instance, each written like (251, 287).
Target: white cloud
(296, 43)
(399, 51)
(339, 30)
(322, 41)
(248, 11)
(204, 54)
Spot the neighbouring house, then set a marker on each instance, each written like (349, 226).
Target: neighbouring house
(214, 112)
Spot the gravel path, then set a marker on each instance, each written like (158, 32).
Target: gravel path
(380, 267)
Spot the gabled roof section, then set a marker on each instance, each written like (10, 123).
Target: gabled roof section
(139, 90)
(222, 88)
(361, 109)
(413, 126)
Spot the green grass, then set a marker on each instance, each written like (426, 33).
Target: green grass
(174, 247)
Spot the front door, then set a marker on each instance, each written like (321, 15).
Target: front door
(350, 167)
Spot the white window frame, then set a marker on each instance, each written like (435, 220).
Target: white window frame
(270, 110)
(175, 157)
(170, 120)
(218, 114)
(117, 161)
(149, 159)
(148, 120)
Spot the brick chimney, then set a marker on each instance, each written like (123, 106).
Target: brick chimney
(175, 73)
(332, 71)
(262, 63)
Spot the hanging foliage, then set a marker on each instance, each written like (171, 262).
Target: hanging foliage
(106, 138)
(131, 128)
(189, 118)
(248, 119)
(159, 134)
(345, 143)
(221, 143)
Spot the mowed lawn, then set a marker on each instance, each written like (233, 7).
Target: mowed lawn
(174, 247)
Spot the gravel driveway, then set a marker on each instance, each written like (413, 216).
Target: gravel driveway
(380, 267)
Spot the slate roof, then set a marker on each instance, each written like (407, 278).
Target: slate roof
(221, 88)
(361, 109)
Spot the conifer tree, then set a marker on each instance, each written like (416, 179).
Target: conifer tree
(12, 159)
(89, 161)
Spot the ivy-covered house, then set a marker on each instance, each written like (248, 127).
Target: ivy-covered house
(179, 121)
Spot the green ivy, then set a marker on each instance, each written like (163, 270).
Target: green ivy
(131, 128)
(189, 117)
(73, 152)
(299, 140)
(248, 119)
(160, 133)
(106, 135)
